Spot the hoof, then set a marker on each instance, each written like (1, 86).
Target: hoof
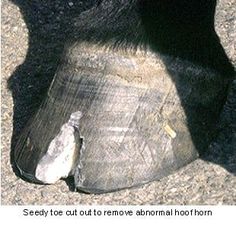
(113, 120)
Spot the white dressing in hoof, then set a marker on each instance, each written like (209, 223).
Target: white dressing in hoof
(62, 153)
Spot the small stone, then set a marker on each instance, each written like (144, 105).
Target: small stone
(71, 4)
(15, 29)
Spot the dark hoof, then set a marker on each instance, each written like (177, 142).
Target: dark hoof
(114, 120)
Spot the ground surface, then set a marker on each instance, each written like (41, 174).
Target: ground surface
(33, 34)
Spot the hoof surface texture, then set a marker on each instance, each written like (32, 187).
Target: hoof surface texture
(114, 119)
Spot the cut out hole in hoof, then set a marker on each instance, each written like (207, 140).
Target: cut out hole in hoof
(62, 154)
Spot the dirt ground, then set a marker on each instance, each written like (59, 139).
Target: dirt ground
(33, 33)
